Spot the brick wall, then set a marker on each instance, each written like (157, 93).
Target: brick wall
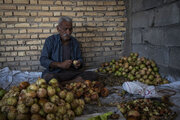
(99, 26)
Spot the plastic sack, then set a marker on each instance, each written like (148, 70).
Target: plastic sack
(144, 90)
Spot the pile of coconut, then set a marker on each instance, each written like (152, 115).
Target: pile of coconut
(48, 101)
(134, 67)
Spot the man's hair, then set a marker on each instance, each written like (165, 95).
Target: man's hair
(64, 18)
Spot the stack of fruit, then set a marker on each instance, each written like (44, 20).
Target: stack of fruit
(146, 109)
(134, 68)
(88, 90)
(40, 101)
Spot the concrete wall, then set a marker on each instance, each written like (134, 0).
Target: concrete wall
(155, 32)
(99, 26)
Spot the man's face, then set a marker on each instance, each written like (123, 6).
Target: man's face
(65, 30)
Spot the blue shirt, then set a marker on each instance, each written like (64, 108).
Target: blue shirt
(52, 52)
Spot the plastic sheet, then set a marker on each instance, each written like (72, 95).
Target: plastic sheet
(10, 78)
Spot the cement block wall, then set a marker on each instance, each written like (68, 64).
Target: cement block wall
(155, 32)
(99, 26)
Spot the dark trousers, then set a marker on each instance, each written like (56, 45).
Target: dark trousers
(70, 75)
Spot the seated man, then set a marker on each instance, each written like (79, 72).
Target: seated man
(58, 53)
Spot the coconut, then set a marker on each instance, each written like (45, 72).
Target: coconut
(58, 89)
(74, 103)
(69, 97)
(153, 64)
(126, 65)
(62, 94)
(87, 99)
(123, 110)
(49, 107)
(81, 102)
(134, 113)
(78, 84)
(75, 62)
(33, 87)
(79, 92)
(43, 86)
(40, 81)
(87, 82)
(51, 90)
(11, 101)
(42, 113)
(12, 115)
(68, 106)
(22, 117)
(30, 93)
(41, 92)
(54, 82)
(61, 109)
(50, 116)
(42, 101)
(151, 77)
(69, 87)
(35, 108)
(104, 92)
(23, 85)
(22, 95)
(61, 102)
(94, 96)
(21, 108)
(65, 117)
(59, 116)
(97, 89)
(36, 117)
(78, 111)
(54, 99)
(70, 114)
(29, 101)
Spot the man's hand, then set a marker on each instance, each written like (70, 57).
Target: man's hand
(66, 64)
(76, 64)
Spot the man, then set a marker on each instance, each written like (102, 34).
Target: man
(58, 53)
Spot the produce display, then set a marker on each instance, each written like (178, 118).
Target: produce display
(133, 68)
(40, 101)
(51, 101)
(2, 93)
(89, 91)
(146, 109)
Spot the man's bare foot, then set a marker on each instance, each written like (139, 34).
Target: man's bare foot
(77, 79)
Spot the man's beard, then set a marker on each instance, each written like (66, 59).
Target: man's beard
(66, 37)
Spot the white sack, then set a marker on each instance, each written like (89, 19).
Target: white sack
(144, 90)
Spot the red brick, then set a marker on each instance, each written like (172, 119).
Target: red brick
(45, 2)
(33, 8)
(21, 1)
(7, 7)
